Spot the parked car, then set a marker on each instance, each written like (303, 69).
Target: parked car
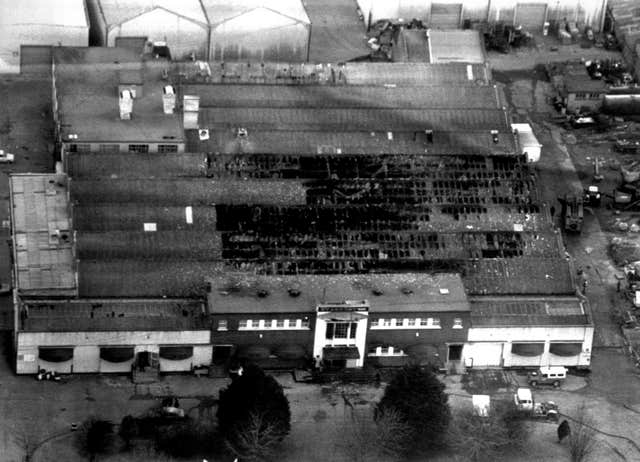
(523, 399)
(552, 375)
(6, 158)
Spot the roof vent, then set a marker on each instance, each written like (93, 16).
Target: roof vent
(242, 133)
(262, 293)
(126, 104)
(494, 136)
(406, 290)
(168, 99)
(203, 134)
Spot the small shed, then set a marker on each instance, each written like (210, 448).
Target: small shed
(258, 30)
(29, 28)
(582, 92)
(529, 144)
(181, 25)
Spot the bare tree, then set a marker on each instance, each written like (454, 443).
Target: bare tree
(257, 440)
(26, 439)
(582, 441)
(478, 438)
(371, 436)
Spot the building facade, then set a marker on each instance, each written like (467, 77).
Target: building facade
(30, 28)
(452, 14)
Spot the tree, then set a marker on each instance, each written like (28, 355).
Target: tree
(582, 439)
(370, 437)
(253, 414)
(95, 437)
(418, 397)
(479, 438)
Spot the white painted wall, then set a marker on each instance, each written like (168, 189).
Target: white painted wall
(87, 352)
(480, 339)
(320, 341)
(585, 11)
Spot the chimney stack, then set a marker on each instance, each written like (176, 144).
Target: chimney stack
(126, 104)
(168, 99)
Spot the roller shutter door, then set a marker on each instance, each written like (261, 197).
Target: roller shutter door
(531, 15)
(35, 59)
(446, 15)
(483, 354)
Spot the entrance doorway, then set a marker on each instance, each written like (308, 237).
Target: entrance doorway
(455, 353)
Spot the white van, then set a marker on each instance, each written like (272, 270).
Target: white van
(551, 375)
(523, 399)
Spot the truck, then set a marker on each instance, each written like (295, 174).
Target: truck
(572, 213)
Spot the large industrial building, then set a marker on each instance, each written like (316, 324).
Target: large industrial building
(361, 213)
(452, 14)
(29, 28)
(248, 30)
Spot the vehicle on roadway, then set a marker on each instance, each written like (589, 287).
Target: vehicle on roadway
(6, 157)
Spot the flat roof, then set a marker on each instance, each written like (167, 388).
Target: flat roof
(88, 102)
(42, 235)
(412, 46)
(61, 13)
(330, 96)
(578, 84)
(331, 73)
(114, 315)
(116, 12)
(188, 191)
(416, 74)
(542, 275)
(453, 45)
(452, 120)
(409, 292)
(528, 311)
(220, 11)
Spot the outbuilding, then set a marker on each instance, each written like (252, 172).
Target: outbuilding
(29, 28)
(258, 30)
(529, 144)
(182, 26)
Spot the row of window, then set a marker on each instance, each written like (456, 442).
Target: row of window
(385, 351)
(581, 95)
(266, 324)
(113, 148)
(412, 323)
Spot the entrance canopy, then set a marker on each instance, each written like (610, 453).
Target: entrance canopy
(339, 353)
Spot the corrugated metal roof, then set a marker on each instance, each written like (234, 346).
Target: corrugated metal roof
(509, 311)
(412, 46)
(325, 96)
(355, 119)
(117, 12)
(42, 234)
(456, 46)
(409, 292)
(220, 11)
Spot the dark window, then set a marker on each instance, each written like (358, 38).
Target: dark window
(341, 330)
(109, 148)
(352, 330)
(72, 148)
(455, 352)
(165, 148)
(330, 328)
(139, 148)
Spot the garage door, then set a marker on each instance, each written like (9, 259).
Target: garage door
(446, 15)
(35, 59)
(482, 354)
(531, 15)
